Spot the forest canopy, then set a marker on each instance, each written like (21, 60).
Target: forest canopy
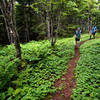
(39, 19)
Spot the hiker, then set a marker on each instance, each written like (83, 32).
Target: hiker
(77, 35)
(93, 32)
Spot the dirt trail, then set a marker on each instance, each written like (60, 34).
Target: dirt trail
(68, 81)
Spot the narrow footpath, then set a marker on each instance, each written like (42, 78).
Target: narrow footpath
(68, 81)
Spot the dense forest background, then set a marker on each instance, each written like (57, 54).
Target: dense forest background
(37, 46)
(33, 17)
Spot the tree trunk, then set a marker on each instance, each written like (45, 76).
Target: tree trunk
(53, 23)
(53, 39)
(26, 25)
(89, 23)
(48, 25)
(7, 9)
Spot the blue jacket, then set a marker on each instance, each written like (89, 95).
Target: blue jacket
(94, 29)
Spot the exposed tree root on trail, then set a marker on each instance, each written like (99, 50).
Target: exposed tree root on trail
(67, 82)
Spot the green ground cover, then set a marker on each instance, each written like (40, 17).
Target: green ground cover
(42, 65)
(88, 72)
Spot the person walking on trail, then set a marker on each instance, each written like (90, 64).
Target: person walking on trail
(77, 35)
(93, 31)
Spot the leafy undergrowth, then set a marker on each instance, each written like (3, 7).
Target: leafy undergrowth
(86, 36)
(42, 65)
(88, 72)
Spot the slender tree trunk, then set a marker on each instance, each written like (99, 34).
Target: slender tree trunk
(7, 29)
(26, 25)
(50, 29)
(48, 25)
(30, 18)
(58, 23)
(52, 34)
(7, 9)
(89, 23)
(53, 23)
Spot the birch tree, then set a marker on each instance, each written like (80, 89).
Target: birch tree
(7, 9)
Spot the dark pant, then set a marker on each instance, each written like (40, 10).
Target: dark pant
(94, 34)
(77, 39)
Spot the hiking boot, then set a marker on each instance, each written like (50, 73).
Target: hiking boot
(89, 38)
